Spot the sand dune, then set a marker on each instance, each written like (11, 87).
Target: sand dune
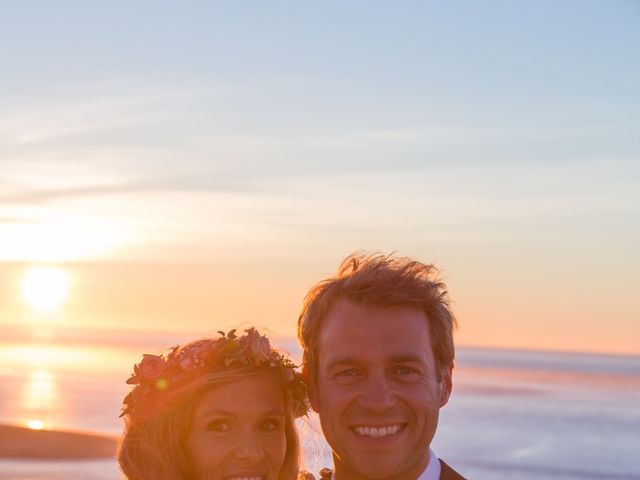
(20, 442)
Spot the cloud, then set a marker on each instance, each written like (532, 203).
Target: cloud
(186, 183)
(42, 196)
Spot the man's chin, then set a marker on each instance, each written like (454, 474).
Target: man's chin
(373, 468)
(377, 460)
(372, 473)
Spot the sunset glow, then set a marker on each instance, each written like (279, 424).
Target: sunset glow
(61, 237)
(35, 424)
(45, 288)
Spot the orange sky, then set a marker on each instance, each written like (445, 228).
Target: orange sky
(492, 311)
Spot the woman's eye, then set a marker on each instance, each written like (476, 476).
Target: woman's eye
(219, 426)
(271, 425)
(347, 373)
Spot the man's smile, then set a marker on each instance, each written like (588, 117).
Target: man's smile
(377, 432)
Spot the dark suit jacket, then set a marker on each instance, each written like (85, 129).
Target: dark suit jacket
(448, 473)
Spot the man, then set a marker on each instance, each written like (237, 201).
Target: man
(377, 357)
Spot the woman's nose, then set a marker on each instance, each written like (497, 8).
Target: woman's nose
(249, 449)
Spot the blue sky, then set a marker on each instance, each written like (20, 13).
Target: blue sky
(499, 139)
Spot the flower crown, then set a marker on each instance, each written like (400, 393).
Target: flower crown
(156, 376)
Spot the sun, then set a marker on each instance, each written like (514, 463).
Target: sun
(45, 288)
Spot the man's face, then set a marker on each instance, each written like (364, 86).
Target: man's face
(377, 390)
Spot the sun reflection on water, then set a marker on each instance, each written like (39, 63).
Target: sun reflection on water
(44, 385)
(35, 424)
(39, 403)
(40, 399)
(40, 391)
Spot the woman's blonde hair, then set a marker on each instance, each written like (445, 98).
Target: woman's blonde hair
(157, 412)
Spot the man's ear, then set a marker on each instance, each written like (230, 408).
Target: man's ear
(312, 389)
(446, 384)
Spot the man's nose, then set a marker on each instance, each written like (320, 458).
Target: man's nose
(249, 448)
(378, 395)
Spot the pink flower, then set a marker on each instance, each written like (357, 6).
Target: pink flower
(186, 363)
(258, 347)
(151, 366)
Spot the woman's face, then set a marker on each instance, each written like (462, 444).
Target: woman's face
(237, 431)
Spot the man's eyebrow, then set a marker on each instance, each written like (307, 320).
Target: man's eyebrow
(406, 358)
(342, 361)
(396, 358)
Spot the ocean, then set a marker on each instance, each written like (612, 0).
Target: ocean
(517, 415)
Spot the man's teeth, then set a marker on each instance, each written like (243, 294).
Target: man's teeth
(377, 432)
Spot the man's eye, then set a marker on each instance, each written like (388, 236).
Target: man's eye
(219, 426)
(401, 370)
(349, 372)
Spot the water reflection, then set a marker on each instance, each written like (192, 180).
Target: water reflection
(40, 400)
(59, 386)
(30, 387)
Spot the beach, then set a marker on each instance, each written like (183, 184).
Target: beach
(56, 455)
(26, 443)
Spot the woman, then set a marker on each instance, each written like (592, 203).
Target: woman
(218, 408)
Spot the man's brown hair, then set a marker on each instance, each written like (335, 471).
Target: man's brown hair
(381, 281)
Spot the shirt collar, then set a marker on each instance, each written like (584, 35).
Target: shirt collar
(432, 472)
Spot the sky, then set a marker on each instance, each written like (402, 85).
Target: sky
(201, 165)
